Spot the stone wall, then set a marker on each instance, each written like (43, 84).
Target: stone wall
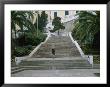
(69, 26)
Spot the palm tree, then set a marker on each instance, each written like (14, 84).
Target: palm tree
(87, 25)
(22, 18)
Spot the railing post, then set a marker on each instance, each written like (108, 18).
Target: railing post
(91, 60)
(17, 60)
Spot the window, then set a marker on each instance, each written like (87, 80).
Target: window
(66, 13)
(55, 14)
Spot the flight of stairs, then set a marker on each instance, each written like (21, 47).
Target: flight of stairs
(58, 63)
(66, 56)
(63, 48)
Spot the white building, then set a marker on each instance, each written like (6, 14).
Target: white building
(67, 17)
(64, 15)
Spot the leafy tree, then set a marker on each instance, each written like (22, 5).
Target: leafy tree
(44, 18)
(57, 24)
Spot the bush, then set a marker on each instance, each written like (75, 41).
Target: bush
(21, 51)
(26, 42)
(96, 59)
(29, 47)
(88, 50)
(20, 41)
(33, 39)
(30, 38)
(42, 37)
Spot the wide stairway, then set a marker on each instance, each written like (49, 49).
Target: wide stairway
(63, 48)
(66, 56)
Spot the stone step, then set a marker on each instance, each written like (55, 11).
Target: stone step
(47, 68)
(67, 44)
(59, 45)
(36, 62)
(54, 67)
(64, 58)
(57, 64)
(17, 70)
(57, 50)
(60, 37)
(60, 48)
(55, 61)
(57, 39)
(60, 53)
(60, 68)
(56, 55)
(51, 56)
(14, 68)
(37, 67)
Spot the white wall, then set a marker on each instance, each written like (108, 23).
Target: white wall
(69, 26)
(59, 14)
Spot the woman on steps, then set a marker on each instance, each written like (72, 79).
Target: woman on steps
(53, 49)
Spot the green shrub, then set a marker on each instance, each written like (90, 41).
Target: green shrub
(33, 39)
(29, 47)
(89, 50)
(21, 51)
(30, 38)
(42, 37)
(26, 42)
(20, 41)
(96, 59)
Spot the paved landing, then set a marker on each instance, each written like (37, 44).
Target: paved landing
(58, 73)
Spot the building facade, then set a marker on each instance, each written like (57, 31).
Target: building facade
(64, 15)
(67, 18)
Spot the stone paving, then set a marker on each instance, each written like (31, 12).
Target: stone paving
(58, 73)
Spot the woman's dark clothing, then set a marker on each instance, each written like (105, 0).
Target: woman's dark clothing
(53, 51)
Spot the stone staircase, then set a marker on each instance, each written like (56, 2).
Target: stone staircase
(66, 56)
(63, 48)
(53, 64)
(58, 63)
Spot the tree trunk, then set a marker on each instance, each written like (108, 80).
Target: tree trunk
(58, 33)
(15, 39)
